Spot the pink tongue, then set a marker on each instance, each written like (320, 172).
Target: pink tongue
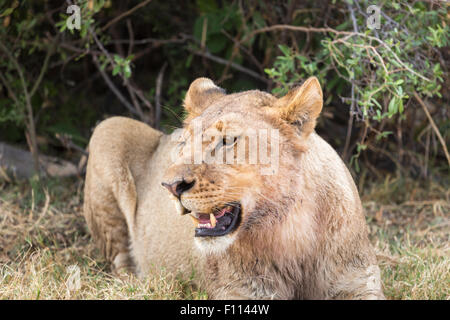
(204, 218)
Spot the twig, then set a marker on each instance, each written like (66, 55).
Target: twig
(151, 40)
(78, 50)
(331, 30)
(130, 90)
(137, 108)
(427, 152)
(433, 125)
(68, 143)
(10, 92)
(142, 97)
(113, 88)
(388, 155)
(131, 33)
(31, 127)
(233, 65)
(352, 15)
(159, 81)
(350, 124)
(135, 102)
(28, 95)
(237, 46)
(251, 56)
(352, 105)
(44, 66)
(123, 15)
(277, 27)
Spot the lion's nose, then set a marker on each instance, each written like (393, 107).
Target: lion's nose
(178, 187)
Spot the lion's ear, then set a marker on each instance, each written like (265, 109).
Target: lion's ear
(202, 93)
(302, 105)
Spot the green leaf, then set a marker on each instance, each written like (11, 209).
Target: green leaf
(285, 49)
(104, 64)
(401, 107)
(127, 71)
(392, 107)
(116, 70)
(7, 12)
(216, 43)
(207, 6)
(117, 59)
(382, 135)
(188, 61)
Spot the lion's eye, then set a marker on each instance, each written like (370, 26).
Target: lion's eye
(229, 141)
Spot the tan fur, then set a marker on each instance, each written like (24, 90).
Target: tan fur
(302, 233)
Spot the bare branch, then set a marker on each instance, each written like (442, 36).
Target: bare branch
(159, 81)
(233, 65)
(31, 127)
(131, 33)
(353, 101)
(67, 142)
(44, 66)
(331, 30)
(113, 88)
(433, 125)
(10, 91)
(125, 14)
(137, 110)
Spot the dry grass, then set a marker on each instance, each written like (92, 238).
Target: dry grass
(412, 237)
(42, 233)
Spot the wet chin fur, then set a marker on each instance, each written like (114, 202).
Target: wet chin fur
(214, 245)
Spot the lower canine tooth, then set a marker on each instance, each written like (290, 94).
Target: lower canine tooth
(194, 220)
(213, 220)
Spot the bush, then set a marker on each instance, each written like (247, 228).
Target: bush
(137, 58)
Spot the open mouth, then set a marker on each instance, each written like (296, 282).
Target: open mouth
(217, 224)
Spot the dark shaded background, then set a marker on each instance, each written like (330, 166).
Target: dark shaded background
(81, 74)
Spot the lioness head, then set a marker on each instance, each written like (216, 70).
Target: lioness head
(232, 168)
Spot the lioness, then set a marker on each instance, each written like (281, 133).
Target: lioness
(295, 231)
